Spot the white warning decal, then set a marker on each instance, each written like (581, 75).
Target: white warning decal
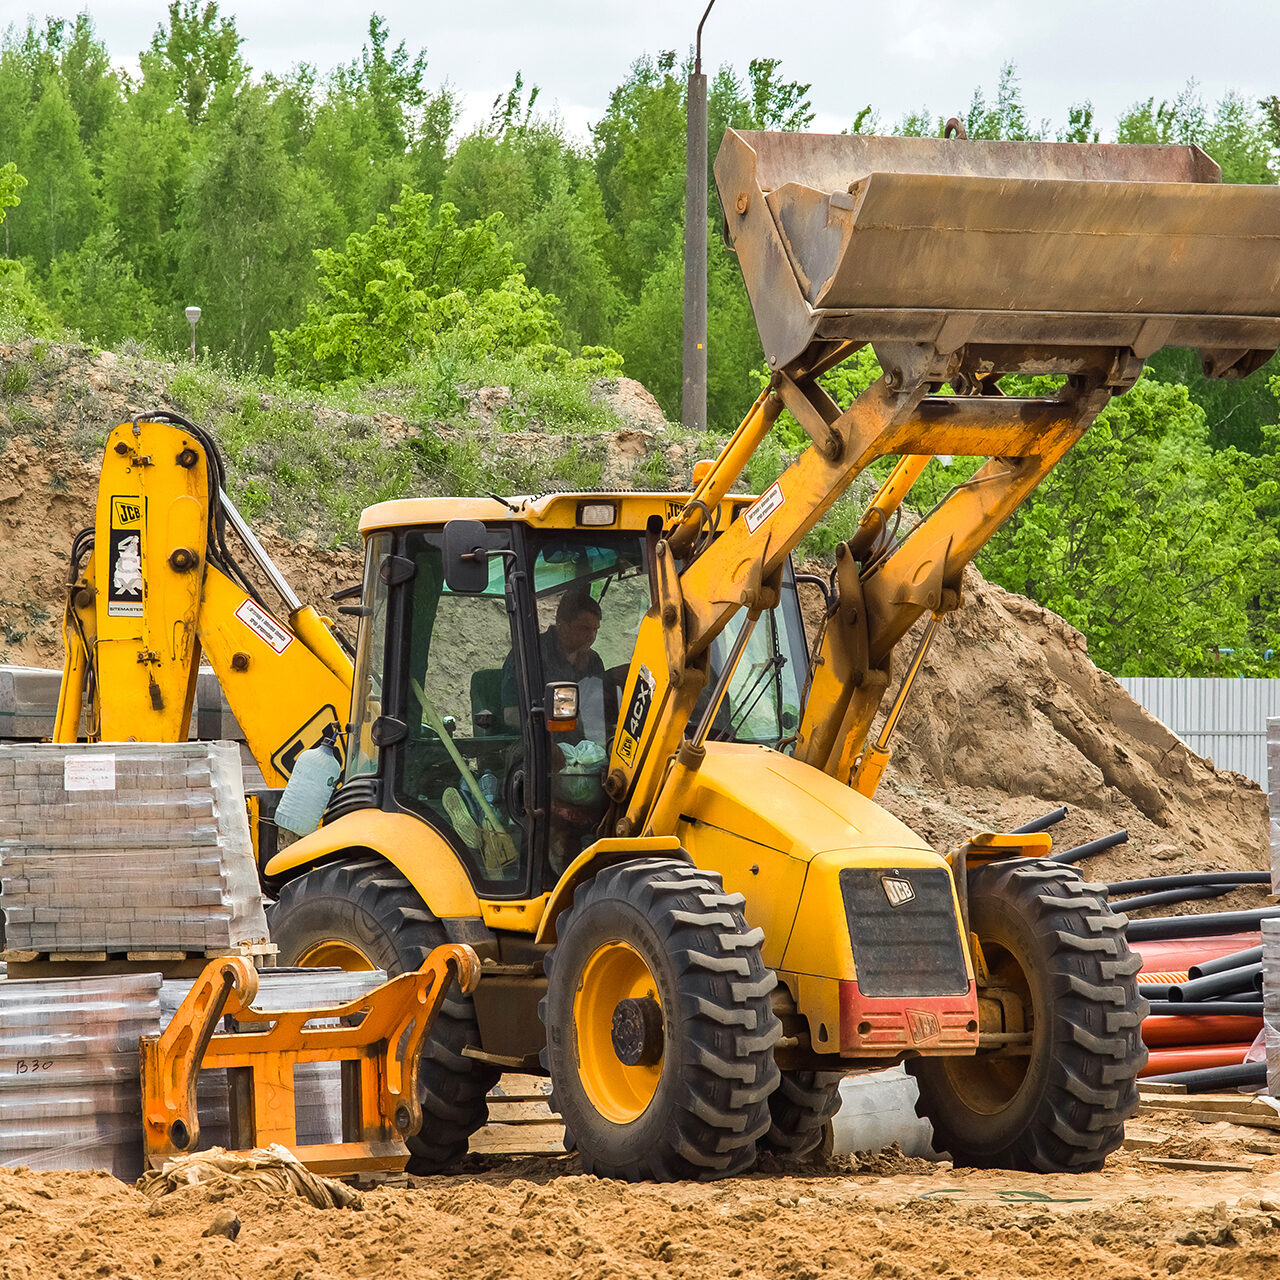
(264, 626)
(763, 507)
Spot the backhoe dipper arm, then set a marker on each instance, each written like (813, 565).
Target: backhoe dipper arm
(157, 587)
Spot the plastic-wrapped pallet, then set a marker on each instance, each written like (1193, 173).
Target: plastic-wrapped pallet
(1273, 796)
(69, 1087)
(1271, 1002)
(318, 1085)
(126, 847)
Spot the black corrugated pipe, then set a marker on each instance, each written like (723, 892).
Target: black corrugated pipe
(1205, 1009)
(1211, 924)
(1208, 1079)
(1235, 960)
(1189, 880)
(1040, 824)
(1246, 978)
(1082, 851)
(1169, 896)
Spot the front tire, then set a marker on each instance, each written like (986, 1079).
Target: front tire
(660, 1030)
(1054, 940)
(364, 914)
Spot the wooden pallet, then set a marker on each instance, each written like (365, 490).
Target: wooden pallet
(521, 1121)
(1206, 1108)
(172, 964)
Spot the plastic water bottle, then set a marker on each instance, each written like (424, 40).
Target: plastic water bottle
(489, 785)
(310, 786)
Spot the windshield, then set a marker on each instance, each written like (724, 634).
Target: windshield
(763, 701)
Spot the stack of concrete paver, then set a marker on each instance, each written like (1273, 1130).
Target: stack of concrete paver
(69, 1075)
(318, 1085)
(126, 847)
(1271, 928)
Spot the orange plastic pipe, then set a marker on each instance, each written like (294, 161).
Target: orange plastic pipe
(1165, 1061)
(1177, 1032)
(1181, 953)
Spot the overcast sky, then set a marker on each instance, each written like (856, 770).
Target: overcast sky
(900, 55)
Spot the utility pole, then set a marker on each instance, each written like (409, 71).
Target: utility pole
(693, 408)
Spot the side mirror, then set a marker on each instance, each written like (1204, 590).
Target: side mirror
(560, 701)
(466, 557)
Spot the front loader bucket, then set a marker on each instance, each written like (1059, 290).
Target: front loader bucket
(1065, 251)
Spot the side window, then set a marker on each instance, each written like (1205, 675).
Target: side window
(463, 759)
(371, 654)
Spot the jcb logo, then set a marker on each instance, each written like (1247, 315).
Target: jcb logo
(124, 512)
(899, 892)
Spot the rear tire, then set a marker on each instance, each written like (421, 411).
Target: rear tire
(800, 1109)
(663, 937)
(1052, 937)
(365, 914)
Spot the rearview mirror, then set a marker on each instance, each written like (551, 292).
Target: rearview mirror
(466, 557)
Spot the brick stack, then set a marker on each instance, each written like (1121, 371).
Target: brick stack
(126, 847)
(69, 1076)
(318, 1097)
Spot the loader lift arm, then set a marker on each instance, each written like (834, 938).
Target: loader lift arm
(156, 585)
(998, 258)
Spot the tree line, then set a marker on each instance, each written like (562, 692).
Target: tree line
(338, 224)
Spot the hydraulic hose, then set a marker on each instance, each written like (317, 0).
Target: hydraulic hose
(1237, 959)
(1036, 825)
(1082, 851)
(1167, 897)
(1227, 983)
(1190, 880)
(1160, 927)
(1206, 1009)
(1208, 1079)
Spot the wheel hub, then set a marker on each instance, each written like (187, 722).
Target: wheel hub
(637, 1031)
(619, 1047)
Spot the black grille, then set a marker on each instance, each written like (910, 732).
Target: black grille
(359, 793)
(909, 950)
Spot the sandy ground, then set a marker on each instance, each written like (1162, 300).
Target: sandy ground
(887, 1216)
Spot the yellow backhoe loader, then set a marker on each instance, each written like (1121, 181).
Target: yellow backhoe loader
(586, 738)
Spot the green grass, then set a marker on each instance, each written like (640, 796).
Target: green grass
(16, 378)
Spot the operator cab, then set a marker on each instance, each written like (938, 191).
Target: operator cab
(459, 662)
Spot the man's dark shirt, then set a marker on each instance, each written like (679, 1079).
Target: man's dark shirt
(556, 668)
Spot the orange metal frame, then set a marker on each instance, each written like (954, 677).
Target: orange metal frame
(379, 1059)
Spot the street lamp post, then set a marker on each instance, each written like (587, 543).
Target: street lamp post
(193, 319)
(693, 409)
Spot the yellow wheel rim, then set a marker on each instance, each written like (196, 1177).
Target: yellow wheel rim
(614, 972)
(335, 953)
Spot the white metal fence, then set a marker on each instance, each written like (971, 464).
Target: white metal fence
(1225, 720)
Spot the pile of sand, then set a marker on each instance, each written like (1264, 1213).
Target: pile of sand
(1010, 719)
(542, 1220)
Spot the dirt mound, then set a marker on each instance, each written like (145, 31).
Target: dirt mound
(1009, 719)
(1121, 1223)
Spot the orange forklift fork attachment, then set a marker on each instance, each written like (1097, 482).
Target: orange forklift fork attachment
(379, 1059)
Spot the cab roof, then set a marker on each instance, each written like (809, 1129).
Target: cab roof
(547, 511)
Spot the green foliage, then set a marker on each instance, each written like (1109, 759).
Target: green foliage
(96, 292)
(391, 293)
(11, 182)
(198, 55)
(246, 220)
(1150, 551)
